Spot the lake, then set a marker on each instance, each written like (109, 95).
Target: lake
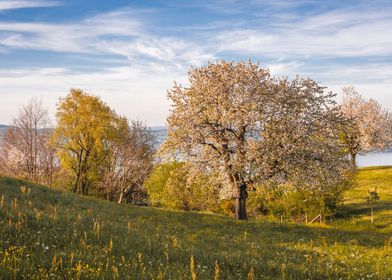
(375, 159)
(370, 159)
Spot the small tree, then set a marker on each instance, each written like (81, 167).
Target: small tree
(130, 160)
(371, 199)
(370, 127)
(84, 126)
(26, 150)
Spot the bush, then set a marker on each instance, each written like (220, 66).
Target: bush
(172, 185)
(227, 207)
(289, 202)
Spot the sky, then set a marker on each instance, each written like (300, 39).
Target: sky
(130, 52)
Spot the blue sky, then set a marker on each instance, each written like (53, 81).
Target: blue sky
(130, 52)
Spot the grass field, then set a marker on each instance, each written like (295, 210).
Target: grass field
(46, 233)
(356, 208)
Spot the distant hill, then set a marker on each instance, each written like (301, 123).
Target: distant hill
(161, 133)
(3, 128)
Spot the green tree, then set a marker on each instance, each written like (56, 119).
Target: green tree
(156, 182)
(84, 127)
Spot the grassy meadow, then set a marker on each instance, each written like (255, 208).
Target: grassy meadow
(50, 234)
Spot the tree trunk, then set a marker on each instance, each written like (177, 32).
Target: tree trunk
(354, 160)
(84, 187)
(240, 205)
(110, 195)
(371, 214)
(121, 197)
(78, 173)
(75, 187)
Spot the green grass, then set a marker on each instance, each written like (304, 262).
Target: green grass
(58, 235)
(358, 211)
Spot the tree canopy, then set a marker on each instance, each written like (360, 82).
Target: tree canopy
(237, 120)
(84, 126)
(370, 127)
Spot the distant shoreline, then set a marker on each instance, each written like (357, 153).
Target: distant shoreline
(383, 158)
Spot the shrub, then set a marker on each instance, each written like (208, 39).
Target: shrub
(290, 202)
(172, 185)
(227, 207)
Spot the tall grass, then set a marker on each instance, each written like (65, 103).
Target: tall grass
(48, 234)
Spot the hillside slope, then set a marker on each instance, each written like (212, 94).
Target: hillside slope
(50, 234)
(369, 179)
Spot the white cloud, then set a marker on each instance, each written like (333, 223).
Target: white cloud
(290, 68)
(311, 45)
(80, 37)
(337, 33)
(137, 92)
(20, 4)
(348, 42)
(331, 34)
(115, 33)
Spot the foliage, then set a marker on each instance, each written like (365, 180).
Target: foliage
(373, 196)
(84, 126)
(227, 207)
(248, 127)
(371, 199)
(370, 127)
(156, 181)
(301, 205)
(173, 186)
(47, 234)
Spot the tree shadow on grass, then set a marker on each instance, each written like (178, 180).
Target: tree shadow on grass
(303, 233)
(363, 208)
